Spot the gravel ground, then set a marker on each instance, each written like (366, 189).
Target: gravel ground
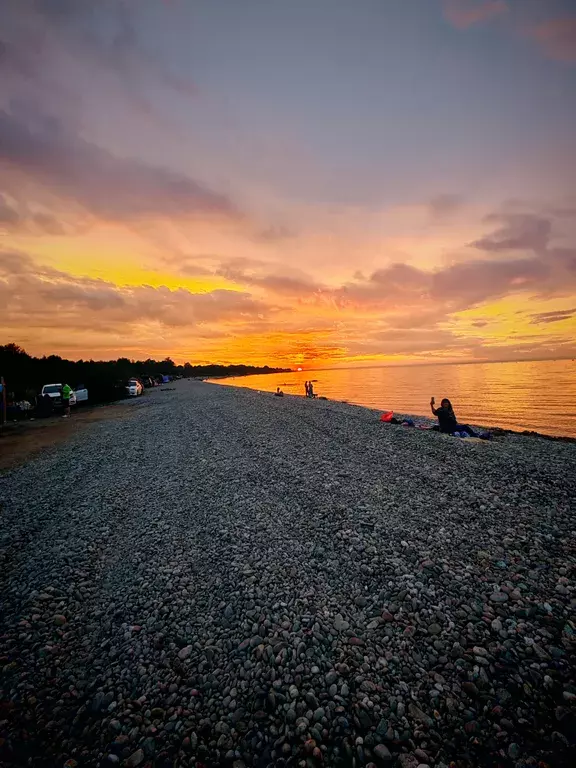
(228, 578)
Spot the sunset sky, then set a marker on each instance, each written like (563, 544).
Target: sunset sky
(291, 182)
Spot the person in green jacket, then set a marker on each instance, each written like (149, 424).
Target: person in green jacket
(66, 392)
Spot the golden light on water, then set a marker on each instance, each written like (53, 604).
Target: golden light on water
(539, 396)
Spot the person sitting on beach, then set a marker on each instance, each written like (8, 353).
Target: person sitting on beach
(447, 421)
(278, 392)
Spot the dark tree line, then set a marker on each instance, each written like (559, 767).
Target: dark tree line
(25, 375)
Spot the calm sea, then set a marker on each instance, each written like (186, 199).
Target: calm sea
(538, 396)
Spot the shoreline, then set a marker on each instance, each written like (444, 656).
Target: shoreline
(496, 431)
(22, 441)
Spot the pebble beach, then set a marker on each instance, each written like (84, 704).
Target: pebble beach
(226, 578)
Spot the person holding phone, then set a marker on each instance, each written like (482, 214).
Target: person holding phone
(447, 421)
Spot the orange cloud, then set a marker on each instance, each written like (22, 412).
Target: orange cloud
(248, 308)
(33, 295)
(397, 312)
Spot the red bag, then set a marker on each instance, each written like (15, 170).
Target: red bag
(387, 416)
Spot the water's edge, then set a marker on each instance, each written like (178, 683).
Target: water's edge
(497, 431)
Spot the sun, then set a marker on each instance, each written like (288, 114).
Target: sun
(299, 370)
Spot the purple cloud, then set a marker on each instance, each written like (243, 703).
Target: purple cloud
(466, 13)
(476, 281)
(557, 38)
(116, 188)
(519, 232)
(18, 219)
(416, 296)
(9, 216)
(565, 257)
(262, 275)
(444, 205)
(98, 33)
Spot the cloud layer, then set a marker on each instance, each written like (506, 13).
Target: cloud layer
(361, 226)
(557, 38)
(466, 13)
(40, 147)
(398, 309)
(33, 295)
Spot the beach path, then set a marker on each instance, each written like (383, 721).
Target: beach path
(226, 577)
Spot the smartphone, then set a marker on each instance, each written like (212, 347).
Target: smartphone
(432, 401)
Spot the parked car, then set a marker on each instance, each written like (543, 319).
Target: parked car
(81, 393)
(55, 392)
(134, 388)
